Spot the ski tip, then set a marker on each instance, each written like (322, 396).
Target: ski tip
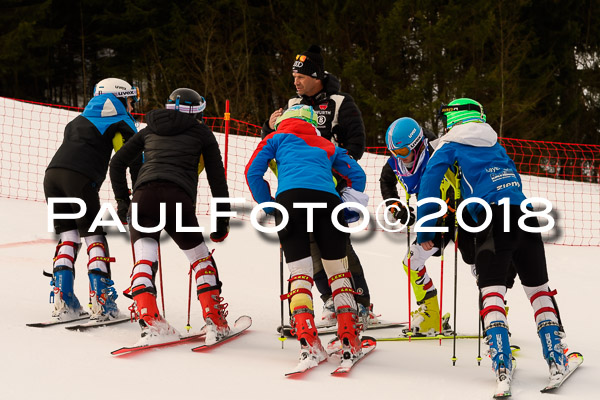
(342, 371)
(122, 350)
(244, 317)
(368, 341)
(575, 355)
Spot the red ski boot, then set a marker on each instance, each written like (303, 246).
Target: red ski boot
(214, 314)
(348, 332)
(154, 328)
(304, 328)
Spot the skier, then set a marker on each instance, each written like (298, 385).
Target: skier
(78, 170)
(175, 144)
(490, 175)
(340, 121)
(411, 147)
(304, 162)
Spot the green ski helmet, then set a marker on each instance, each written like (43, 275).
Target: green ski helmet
(461, 111)
(299, 111)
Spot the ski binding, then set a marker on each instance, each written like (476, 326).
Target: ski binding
(241, 324)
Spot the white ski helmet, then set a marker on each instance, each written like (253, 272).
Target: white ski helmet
(118, 87)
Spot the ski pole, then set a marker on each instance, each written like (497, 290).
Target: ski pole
(479, 331)
(282, 338)
(188, 326)
(444, 195)
(408, 257)
(456, 198)
(455, 289)
(162, 293)
(442, 244)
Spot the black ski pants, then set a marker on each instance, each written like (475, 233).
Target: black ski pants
(61, 182)
(295, 238)
(149, 196)
(496, 250)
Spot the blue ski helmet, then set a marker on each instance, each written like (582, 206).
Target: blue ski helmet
(403, 136)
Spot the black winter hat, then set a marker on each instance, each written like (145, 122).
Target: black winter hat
(310, 63)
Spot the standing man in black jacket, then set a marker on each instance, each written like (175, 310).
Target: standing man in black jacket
(176, 146)
(340, 121)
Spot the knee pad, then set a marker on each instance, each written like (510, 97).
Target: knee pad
(206, 275)
(142, 278)
(418, 256)
(492, 305)
(97, 249)
(67, 250)
(300, 283)
(340, 280)
(543, 303)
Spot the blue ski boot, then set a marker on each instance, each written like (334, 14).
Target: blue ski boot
(66, 304)
(500, 353)
(102, 296)
(553, 348)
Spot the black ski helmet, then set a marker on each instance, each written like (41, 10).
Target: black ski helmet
(187, 101)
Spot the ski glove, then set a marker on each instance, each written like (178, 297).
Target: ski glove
(222, 230)
(402, 214)
(123, 209)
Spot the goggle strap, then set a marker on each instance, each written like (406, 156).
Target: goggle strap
(186, 109)
(133, 92)
(460, 107)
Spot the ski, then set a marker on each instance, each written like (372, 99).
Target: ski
(303, 366)
(96, 323)
(241, 324)
(503, 383)
(57, 321)
(368, 345)
(575, 360)
(134, 349)
(417, 337)
(333, 329)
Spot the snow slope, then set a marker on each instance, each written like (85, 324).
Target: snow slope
(54, 363)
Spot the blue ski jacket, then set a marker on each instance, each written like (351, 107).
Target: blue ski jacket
(304, 161)
(488, 173)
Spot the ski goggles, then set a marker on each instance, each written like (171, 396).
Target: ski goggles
(133, 93)
(187, 108)
(445, 109)
(402, 152)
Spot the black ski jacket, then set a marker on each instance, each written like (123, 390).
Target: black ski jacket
(340, 119)
(86, 148)
(173, 143)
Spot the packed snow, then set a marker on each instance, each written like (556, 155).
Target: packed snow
(54, 363)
